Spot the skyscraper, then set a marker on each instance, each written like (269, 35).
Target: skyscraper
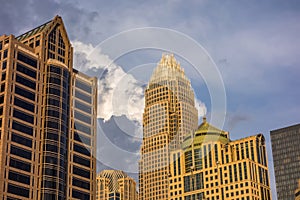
(47, 118)
(211, 166)
(297, 192)
(169, 115)
(286, 158)
(115, 185)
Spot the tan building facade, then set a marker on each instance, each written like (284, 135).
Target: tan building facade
(47, 118)
(169, 115)
(297, 192)
(212, 167)
(115, 185)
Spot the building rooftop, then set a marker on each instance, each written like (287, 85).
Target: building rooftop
(205, 133)
(33, 31)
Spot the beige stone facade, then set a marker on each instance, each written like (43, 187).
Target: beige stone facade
(169, 116)
(212, 167)
(47, 118)
(115, 185)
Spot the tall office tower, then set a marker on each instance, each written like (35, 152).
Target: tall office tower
(297, 192)
(115, 185)
(47, 118)
(212, 167)
(286, 158)
(169, 115)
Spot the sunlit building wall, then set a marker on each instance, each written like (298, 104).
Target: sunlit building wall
(115, 185)
(210, 166)
(47, 118)
(169, 116)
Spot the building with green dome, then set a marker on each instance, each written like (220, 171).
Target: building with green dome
(211, 166)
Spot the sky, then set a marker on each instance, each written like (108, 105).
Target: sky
(253, 47)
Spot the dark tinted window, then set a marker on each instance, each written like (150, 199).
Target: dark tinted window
(53, 102)
(20, 152)
(81, 183)
(80, 195)
(54, 91)
(52, 136)
(21, 140)
(30, 61)
(24, 93)
(5, 54)
(82, 150)
(22, 178)
(81, 138)
(18, 164)
(54, 80)
(49, 184)
(24, 81)
(3, 77)
(22, 128)
(23, 116)
(50, 147)
(4, 65)
(51, 124)
(1, 99)
(83, 86)
(83, 97)
(55, 69)
(81, 160)
(51, 160)
(23, 104)
(80, 127)
(50, 172)
(83, 107)
(26, 70)
(81, 172)
(52, 113)
(82, 117)
(13, 189)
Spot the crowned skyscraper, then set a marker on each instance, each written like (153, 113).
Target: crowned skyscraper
(169, 115)
(47, 118)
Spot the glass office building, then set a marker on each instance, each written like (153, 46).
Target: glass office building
(47, 118)
(286, 158)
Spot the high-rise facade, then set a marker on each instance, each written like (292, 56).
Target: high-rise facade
(212, 167)
(115, 185)
(47, 118)
(297, 192)
(286, 158)
(169, 115)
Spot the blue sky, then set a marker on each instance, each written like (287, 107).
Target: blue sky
(255, 45)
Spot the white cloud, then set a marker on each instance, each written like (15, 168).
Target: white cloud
(119, 93)
(201, 108)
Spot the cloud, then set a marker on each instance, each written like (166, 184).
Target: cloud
(116, 149)
(119, 93)
(200, 106)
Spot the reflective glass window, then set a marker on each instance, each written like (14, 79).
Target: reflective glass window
(26, 70)
(26, 82)
(22, 128)
(25, 93)
(26, 59)
(23, 116)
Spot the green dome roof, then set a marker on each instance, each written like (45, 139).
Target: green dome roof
(205, 133)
